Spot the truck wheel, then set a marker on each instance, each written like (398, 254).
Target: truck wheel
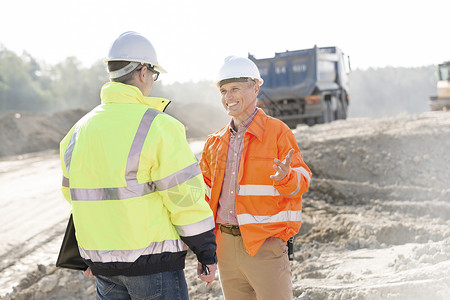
(344, 103)
(327, 114)
(341, 114)
(338, 112)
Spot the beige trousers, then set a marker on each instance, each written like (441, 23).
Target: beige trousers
(265, 276)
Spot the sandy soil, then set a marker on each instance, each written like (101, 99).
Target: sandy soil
(376, 222)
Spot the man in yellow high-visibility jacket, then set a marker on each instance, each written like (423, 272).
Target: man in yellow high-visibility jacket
(135, 186)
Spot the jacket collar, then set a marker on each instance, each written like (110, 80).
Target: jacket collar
(258, 124)
(116, 92)
(256, 128)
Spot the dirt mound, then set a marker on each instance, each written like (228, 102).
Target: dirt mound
(25, 132)
(199, 119)
(376, 219)
(410, 150)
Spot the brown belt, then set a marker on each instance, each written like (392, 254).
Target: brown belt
(230, 229)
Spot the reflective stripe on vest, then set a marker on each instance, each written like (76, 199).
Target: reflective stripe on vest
(304, 172)
(196, 228)
(108, 256)
(283, 216)
(257, 190)
(65, 182)
(269, 190)
(207, 191)
(119, 193)
(133, 188)
(69, 149)
(139, 190)
(300, 171)
(136, 147)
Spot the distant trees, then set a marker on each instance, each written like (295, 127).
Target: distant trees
(75, 86)
(20, 81)
(26, 84)
(391, 91)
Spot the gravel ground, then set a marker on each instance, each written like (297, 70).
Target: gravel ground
(375, 221)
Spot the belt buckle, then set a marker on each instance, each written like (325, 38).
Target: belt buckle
(231, 229)
(237, 229)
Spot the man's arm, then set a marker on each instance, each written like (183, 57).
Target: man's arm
(179, 181)
(292, 176)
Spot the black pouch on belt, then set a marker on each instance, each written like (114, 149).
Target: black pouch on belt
(290, 245)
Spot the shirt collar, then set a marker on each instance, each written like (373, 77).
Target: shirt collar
(244, 125)
(256, 127)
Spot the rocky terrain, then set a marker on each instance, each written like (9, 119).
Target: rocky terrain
(376, 221)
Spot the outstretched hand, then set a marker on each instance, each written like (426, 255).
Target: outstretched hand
(282, 167)
(210, 274)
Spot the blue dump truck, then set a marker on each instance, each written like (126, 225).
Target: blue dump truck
(305, 86)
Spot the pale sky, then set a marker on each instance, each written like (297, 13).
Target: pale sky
(193, 37)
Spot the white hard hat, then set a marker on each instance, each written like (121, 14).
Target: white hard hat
(237, 68)
(133, 47)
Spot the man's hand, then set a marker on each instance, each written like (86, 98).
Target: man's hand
(207, 276)
(282, 167)
(88, 273)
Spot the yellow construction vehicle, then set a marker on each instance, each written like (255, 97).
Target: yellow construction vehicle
(442, 100)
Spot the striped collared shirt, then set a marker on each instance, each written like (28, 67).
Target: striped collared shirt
(226, 212)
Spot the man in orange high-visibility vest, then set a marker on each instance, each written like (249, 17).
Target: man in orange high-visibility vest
(255, 178)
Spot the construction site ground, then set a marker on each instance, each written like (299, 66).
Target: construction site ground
(376, 221)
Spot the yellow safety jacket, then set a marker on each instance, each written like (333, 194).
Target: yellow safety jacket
(136, 189)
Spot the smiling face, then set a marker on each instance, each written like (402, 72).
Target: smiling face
(239, 99)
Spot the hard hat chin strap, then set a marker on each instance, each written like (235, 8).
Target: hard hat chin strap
(124, 71)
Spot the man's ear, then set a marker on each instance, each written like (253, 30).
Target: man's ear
(256, 88)
(141, 75)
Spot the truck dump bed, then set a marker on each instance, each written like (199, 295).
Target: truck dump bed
(291, 77)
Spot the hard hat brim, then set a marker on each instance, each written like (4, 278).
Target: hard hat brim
(156, 67)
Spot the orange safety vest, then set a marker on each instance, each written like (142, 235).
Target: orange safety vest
(264, 207)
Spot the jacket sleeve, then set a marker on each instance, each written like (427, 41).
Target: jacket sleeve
(204, 246)
(206, 171)
(65, 174)
(179, 181)
(298, 179)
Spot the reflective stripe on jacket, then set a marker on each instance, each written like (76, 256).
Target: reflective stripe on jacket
(264, 207)
(135, 186)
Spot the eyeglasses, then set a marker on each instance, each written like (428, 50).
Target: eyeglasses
(155, 74)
